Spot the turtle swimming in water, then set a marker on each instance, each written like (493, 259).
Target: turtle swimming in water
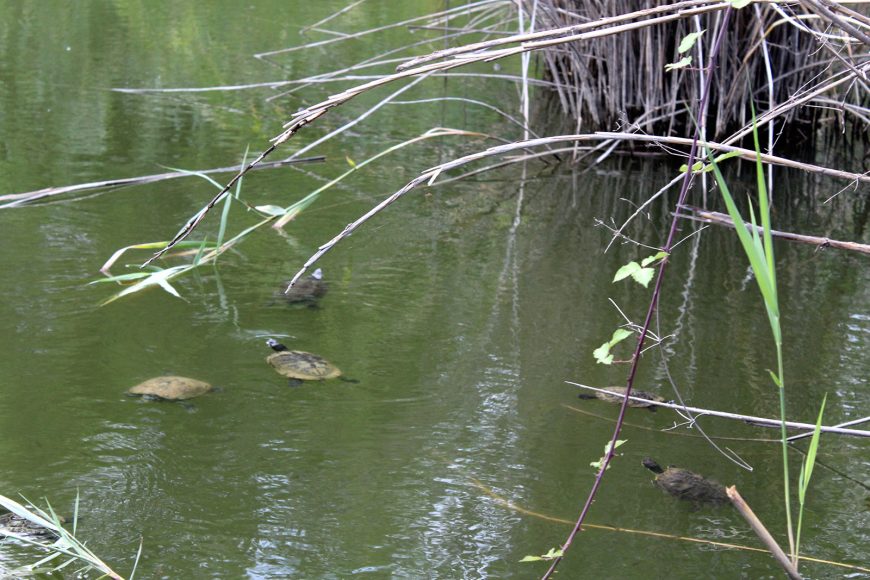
(300, 366)
(615, 395)
(11, 523)
(687, 485)
(306, 290)
(170, 388)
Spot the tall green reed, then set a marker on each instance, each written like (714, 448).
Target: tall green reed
(757, 243)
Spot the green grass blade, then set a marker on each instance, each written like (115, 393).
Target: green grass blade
(814, 445)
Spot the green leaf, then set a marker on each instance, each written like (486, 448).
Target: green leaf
(619, 442)
(738, 4)
(619, 335)
(775, 378)
(810, 462)
(643, 276)
(647, 261)
(626, 271)
(350, 161)
(689, 41)
(552, 554)
(602, 354)
(728, 155)
(683, 62)
(600, 462)
(696, 167)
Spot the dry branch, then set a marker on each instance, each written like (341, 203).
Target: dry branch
(18, 199)
(762, 533)
(714, 217)
(745, 418)
(311, 114)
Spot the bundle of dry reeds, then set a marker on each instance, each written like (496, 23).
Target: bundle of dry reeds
(771, 53)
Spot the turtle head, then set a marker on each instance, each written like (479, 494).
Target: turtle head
(317, 274)
(650, 464)
(275, 345)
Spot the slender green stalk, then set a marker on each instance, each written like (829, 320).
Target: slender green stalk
(759, 250)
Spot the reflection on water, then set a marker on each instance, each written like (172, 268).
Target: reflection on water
(462, 311)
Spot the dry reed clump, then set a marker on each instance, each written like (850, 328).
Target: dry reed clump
(775, 51)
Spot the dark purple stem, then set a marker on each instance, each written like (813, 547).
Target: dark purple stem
(702, 106)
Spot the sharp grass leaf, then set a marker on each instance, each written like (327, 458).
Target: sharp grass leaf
(197, 174)
(154, 279)
(274, 210)
(120, 278)
(814, 446)
(168, 287)
(200, 251)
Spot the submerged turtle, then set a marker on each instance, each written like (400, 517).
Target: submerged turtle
(300, 366)
(687, 485)
(615, 395)
(11, 523)
(306, 291)
(170, 388)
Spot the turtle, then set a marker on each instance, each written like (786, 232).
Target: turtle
(299, 365)
(687, 485)
(12, 523)
(306, 291)
(618, 393)
(170, 388)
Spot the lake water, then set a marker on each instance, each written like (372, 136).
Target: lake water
(460, 324)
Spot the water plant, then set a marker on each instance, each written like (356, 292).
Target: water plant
(757, 244)
(62, 545)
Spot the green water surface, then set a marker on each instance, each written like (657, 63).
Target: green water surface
(461, 310)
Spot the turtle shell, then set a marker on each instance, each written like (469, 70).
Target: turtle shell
(687, 485)
(170, 388)
(15, 524)
(305, 366)
(307, 290)
(617, 394)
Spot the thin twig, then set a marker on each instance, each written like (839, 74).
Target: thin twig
(738, 417)
(608, 456)
(17, 199)
(721, 219)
